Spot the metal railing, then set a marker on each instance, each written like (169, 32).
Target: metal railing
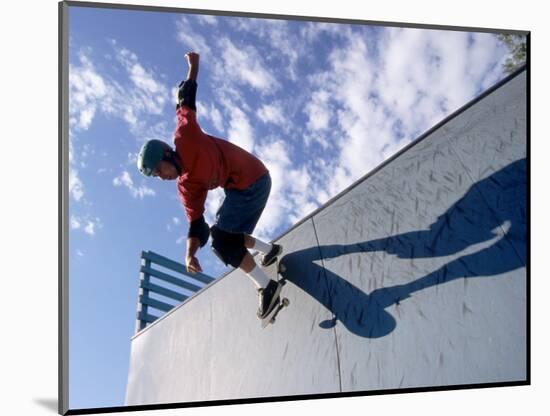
(154, 282)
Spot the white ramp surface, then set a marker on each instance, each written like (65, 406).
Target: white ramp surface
(414, 277)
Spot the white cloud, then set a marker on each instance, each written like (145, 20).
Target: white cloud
(300, 193)
(74, 222)
(146, 95)
(125, 179)
(76, 188)
(276, 159)
(191, 39)
(486, 56)
(212, 113)
(90, 228)
(347, 85)
(278, 38)
(213, 202)
(314, 138)
(90, 93)
(318, 110)
(281, 42)
(133, 100)
(291, 195)
(86, 117)
(175, 222)
(132, 158)
(426, 74)
(85, 224)
(86, 90)
(216, 118)
(370, 104)
(271, 113)
(240, 130)
(142, 78)
(245, 66)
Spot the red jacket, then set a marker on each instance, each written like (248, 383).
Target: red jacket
(209, 162)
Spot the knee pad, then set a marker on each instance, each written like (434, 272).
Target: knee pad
(229, 247)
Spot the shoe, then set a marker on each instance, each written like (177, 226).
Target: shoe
(270, 258)
(268, 298)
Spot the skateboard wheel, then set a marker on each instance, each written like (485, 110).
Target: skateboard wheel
(286, 302)
(282, 268)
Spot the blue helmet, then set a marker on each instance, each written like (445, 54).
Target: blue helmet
(151, 153)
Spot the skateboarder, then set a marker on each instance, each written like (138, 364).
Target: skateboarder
(201, 162)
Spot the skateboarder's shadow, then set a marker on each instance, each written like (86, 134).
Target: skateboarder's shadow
(469, 221)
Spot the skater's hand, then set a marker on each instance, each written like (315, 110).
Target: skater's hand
(193, 265)
(193, 61)
(192, 58)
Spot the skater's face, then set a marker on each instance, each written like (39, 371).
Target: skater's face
(165, 171)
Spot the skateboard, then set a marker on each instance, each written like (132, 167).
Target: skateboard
(279, 303)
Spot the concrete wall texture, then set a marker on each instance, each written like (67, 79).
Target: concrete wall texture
(414, 277)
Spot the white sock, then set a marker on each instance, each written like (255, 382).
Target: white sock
(259, 278)
(261, 246)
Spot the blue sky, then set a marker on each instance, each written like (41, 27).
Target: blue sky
(321, 104)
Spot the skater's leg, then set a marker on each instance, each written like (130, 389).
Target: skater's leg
(248, 263)
(238, 214)
(232, 249)
(267, 288)
(257, 244)
(255, 273)
(249, 241)
(270, 251)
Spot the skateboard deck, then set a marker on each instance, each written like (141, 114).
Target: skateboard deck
(280, 303)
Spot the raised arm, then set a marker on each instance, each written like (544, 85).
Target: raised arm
(193, 62)
(187, 90)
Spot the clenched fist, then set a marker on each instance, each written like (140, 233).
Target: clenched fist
(192, 58)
